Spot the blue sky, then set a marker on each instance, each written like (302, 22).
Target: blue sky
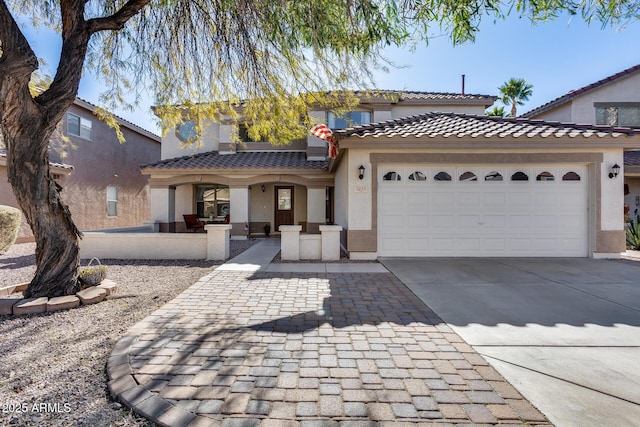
(555, 57)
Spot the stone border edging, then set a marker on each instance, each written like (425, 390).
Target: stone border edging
(15, 306)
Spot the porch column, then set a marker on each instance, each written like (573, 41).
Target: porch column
(163, 208)
(290, 242)
(316, 208)
(218, 241)
(239, 212)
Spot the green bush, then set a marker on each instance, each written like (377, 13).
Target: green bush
(633, 234)
(10, 219)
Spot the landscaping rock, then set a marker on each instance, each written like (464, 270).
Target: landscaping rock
(6, 305)
(92, 295)
(108, 285)
(31, 306)
(6, 291)
(62, 303)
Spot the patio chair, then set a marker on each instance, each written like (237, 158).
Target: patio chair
(193, 223)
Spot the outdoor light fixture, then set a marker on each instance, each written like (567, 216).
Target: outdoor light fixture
(361, 169)
(615, 170)
(263, 188)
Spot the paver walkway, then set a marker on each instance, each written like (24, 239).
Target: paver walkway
(285, 348)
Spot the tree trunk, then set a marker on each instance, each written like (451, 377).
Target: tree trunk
(57, 238)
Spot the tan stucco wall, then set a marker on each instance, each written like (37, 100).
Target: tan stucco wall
(581, 109)
(8, 199)
(102, 162)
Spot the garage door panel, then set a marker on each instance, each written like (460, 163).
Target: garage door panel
(469, 221)
(439, 222)
(467, 199)
(441, 199)
(415, 222)
(493, 221)
(483, 218)
(519, 199)
(494, 199)
(520, 221)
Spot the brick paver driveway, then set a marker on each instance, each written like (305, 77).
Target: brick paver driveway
(240, 348)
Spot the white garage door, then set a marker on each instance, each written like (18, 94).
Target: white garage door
(482, 211)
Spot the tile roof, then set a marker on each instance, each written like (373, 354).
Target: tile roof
(433, 96)
(577, 92)
(3, 155)
(241, 160)
(465, 125)
(632, 157)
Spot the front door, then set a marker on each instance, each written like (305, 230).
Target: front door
(284, 207)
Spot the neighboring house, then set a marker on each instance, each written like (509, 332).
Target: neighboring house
(418, 183)
(612, 101)
(105, 189)
(60, 173)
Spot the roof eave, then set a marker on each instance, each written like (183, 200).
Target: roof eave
(492, 142)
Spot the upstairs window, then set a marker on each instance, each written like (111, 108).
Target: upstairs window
(618, 115)
(243, 134)
(347, 120)
(79, 126)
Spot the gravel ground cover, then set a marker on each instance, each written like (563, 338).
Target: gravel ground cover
(52, 365)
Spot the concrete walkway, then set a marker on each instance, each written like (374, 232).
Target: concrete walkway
(256, 347)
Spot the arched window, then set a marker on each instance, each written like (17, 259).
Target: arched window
(442, 176)
(418, 176)
(391, 176)
(571, 176)
(493, 176)
(468, 176)
(519, 176)
(545, 176)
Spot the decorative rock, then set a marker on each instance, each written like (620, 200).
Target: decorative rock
(21, 287)
(108, 285)
(6, 305)
(92, 295)
(63, 303)
(6, 291)
(31, 306)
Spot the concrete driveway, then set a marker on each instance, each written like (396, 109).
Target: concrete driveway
(564, 332)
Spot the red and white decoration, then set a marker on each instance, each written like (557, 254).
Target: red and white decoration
(323, 132)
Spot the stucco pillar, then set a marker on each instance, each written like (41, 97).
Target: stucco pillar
(290, 242)
(218, 241)
(330, 242)
(239, 212)
(163, 208)
(316, 208)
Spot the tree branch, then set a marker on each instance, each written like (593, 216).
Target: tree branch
(118, 19)
(17, 57)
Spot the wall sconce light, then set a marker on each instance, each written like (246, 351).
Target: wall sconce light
(361, 170)
(262, 188)
(615, 170)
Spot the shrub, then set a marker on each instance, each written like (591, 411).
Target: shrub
(633, 234)
(10, 219)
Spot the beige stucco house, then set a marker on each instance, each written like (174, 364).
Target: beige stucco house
(611, 101)
(100, 176)
(424, 174)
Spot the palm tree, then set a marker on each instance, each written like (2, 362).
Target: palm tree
(497, 111)
(515, 92)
